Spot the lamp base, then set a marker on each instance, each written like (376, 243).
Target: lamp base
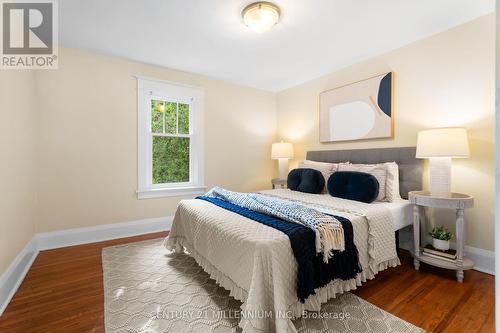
(440, 176)
(283, 168)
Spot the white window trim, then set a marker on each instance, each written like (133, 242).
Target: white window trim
(148, 88)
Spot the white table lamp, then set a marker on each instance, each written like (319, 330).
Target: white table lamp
(440, 145)
(282, 151)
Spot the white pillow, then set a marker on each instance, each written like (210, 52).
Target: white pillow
(379, 171)
(326, 169)
(392, 182)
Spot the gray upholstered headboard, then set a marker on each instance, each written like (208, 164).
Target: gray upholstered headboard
(410, 168)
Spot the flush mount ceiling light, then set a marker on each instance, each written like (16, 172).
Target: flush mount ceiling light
(261, 16)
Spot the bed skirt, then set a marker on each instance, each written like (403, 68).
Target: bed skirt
(295, 310)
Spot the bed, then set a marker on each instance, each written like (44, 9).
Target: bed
(255, 262)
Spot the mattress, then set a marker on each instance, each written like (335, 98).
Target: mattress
(401, 211)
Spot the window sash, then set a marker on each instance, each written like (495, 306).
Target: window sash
(167, 135)
(178, 101)
(150, 89)
(173, 184)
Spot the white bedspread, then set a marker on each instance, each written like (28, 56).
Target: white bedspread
(256, 263)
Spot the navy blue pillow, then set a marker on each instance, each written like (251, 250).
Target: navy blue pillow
(306, 180)
(352, 185)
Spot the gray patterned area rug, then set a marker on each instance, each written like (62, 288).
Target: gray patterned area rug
(149, 290)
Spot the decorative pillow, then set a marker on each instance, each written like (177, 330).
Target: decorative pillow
(306, 180)
(326, 169)
(392, 182)
(379, 171)
(353, 185)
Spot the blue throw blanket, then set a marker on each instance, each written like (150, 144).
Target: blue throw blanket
(329, 231)
(312, 271)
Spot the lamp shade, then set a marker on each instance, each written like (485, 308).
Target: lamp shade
(443, 142)
(282, 150)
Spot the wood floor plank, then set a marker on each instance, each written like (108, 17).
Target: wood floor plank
(63, 292)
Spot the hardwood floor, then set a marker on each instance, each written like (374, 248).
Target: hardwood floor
(63, 292)
(432, 298)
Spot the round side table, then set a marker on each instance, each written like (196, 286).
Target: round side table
(456, 201)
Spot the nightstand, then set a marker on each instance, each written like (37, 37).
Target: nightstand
(278, 183)
(456, 201)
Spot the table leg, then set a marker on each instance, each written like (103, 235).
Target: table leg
(422, 222)
(460, 243)
(416, 237)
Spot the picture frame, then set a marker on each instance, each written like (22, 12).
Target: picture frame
(358, 111)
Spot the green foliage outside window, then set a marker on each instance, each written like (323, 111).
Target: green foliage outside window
(170, 154)
(184, 118)
(157, 117)
(171, 118)
(170, 160)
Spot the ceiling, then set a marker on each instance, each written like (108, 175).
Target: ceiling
(313, 38)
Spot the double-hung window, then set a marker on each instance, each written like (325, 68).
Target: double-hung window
(170, 148)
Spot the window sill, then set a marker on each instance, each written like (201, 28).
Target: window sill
(171, 192)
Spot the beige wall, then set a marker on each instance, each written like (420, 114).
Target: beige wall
(87, 140)
(444, 80)
(17, 169)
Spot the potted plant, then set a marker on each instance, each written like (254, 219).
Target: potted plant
(441, 238)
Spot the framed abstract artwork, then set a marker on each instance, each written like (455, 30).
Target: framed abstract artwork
(358, 111)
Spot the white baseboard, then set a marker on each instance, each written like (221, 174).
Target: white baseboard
(484, 260)
(70, 237)
(12, 278)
